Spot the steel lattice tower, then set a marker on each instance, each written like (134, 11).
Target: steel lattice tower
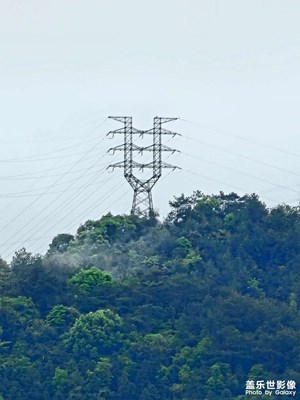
(142, 204)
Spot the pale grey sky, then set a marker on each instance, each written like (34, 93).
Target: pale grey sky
(231, 67)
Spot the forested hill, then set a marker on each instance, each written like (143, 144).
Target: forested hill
(138, 309)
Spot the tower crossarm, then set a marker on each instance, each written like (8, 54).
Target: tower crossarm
(120, 131)
(150, 148)
(162, 132)
(164, 120)
(116, 165)
(122, 147)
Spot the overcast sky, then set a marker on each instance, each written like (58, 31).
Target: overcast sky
(229, 69)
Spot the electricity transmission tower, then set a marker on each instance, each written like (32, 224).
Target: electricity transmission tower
(142, 204)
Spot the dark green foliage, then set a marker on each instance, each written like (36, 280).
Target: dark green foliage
(60, 243)
(136, 309)
(5, 278)
(95, 334)
(62, 317)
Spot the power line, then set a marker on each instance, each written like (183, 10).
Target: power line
(45, 208)
(53, 213)
(38, 178)
(214, 180)
(223, 183)
(128, 164)
(32, 192)
(86, 212)
(57, 197)
(39, 156)
(241, 137)
(92, 207)
(56, 191)
(38, 198)
(30, 175)
(21, 160)
(54, 135)
(242, 173)
(242, 156)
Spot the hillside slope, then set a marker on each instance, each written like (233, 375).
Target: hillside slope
(137, 309)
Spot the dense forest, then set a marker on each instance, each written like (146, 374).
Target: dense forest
(129, 308)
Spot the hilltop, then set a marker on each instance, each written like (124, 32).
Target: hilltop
(134, 308)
